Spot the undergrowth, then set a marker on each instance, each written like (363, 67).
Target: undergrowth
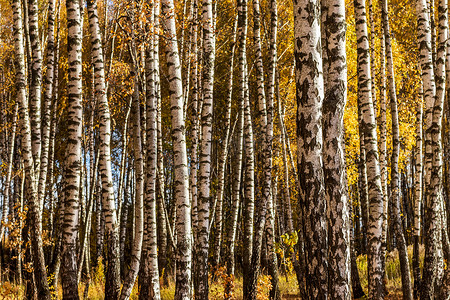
(217, 283)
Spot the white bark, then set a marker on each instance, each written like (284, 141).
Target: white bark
(181, 193)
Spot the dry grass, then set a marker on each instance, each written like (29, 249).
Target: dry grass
(288, 283)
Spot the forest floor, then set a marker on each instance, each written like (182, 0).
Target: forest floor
(288, 283)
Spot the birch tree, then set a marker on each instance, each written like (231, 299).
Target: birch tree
(112, 284)
(150, 284)
(395, 191)
(201, 289)
(181, 193)
(73, 150)
(333, 151)
(368, 127)
(35, 86)
(433, 93)
(238, 155)
(309, 96)
(265, 115)
(271, 197)
(418, 193)
(40, 272)
(224, 155)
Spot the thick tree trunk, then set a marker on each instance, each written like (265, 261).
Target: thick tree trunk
(433, 98)
(310, 94)
(73, 150)
(335, 177)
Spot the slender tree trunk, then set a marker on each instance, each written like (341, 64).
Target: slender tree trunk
(236, 185)
(46, 106)
(395, 191)
(193, 178)
(7, 188)
(209, 50)
(357, 290)
(271, 198)
(286, 209)
(417, 195)
(138, 231)
(150, 288)
(35, 88)
(27, 156)
(265, 107)
(181, 193)
(310, 94)
(164, 226)
(437, 219)
(223, 156)
(368, 127)
(112, 285)
(235, 196)
(383, 155)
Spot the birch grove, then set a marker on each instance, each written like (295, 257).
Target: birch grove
(234, 149)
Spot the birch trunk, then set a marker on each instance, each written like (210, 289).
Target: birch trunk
(7, 188)
(112, 284)
(236, 185)
(195, 123)
(138, 231)
(333, 152)
(383, 153)
(46, 107)
(368, 127)
(73, 150)
(209, 50)
(264, 138)
(433, 98)
(35, 87)
(286, 209)
(417, 194)
(163, 224)
(271, 197)
(181, 192)
(310, 94)
(138, 213)
(235, 196)
(150, 288)
(224, 155)
(43, 291)
(395, 191)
